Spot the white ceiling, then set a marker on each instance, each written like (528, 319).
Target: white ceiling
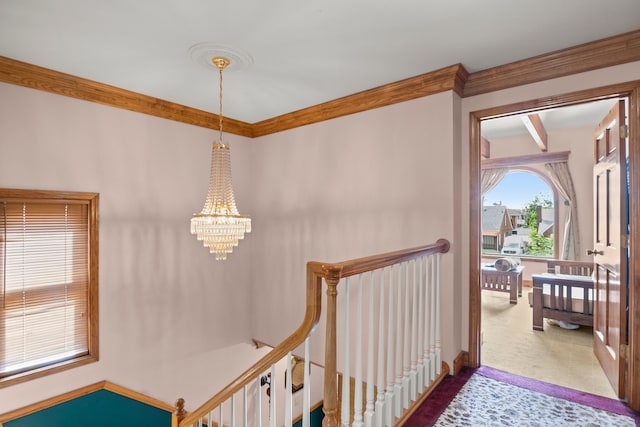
(303, 52)
(581, 115)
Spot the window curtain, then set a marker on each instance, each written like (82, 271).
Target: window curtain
(491, 178)
(561, 177)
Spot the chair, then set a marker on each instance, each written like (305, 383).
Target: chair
(564, 292)
(574, 268)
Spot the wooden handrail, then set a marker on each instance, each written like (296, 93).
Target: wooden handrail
(311, 318)
(362, 265)
(316, 273)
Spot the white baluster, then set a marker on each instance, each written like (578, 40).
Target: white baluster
(413, 384)
(258, 402)
(272, 399)
(398, 387)
(380, 406)
(220, 416)
(357, 398)
(438, 349)
(346, 379)
(432, 311)
(232, 421)
(427, 320)
(407, 340)
(288, 393)
(368, 414)
(306, 418)
(420, 367)
(244, 406)
(390, 415)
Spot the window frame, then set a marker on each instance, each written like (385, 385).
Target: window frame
(92, 201)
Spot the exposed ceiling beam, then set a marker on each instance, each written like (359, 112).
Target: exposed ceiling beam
(485, 148)
(536, 130)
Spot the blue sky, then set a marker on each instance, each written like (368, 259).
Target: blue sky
(516, 189)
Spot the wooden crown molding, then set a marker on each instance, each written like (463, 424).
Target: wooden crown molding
(602, 53)
(445, 79)
(34, 77)
(607, 52)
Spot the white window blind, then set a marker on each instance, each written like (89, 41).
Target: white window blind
(44, 283)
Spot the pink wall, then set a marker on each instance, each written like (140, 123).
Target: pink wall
(380, 180)
(359, 185)
(164, 300)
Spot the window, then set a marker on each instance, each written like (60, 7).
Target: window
(48, 282)
(519, 216)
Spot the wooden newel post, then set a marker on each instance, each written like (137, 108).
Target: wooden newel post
(179, 413)
(330, 405)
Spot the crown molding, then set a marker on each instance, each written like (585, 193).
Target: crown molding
(607, 52)
(602, 53)
(35, 77)
(445, 79)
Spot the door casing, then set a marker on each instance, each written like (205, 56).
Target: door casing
(631, 90)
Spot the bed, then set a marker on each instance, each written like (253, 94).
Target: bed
(564, 292)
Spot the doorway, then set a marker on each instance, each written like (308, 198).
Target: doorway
(537, 212)
(630, 91)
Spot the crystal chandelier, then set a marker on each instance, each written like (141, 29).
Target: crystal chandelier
(219, 225)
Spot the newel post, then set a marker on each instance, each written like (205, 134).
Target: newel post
(330, 405)
(179, 414)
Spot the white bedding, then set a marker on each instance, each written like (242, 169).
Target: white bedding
(577, 298)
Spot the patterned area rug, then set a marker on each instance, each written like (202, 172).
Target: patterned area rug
(489, 397)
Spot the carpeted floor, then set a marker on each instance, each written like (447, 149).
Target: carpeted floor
(490, 397)
(555, 355)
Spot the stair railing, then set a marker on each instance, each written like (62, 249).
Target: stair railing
(403, 337)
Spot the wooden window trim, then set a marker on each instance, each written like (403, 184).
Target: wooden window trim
(16, 195)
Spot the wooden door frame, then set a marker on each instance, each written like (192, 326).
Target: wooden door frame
(631, 91)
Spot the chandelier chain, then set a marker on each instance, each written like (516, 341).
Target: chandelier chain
(220, 115)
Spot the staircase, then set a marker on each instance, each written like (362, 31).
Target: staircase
(381, 330)
(388, 341)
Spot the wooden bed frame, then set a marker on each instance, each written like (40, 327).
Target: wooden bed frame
(564, 293)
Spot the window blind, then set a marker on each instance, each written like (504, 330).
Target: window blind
(44, 280)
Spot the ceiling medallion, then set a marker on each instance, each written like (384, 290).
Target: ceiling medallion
(202, 53)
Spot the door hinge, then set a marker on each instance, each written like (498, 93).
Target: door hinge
(624, 241)
(624, 131)
(624, 348)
